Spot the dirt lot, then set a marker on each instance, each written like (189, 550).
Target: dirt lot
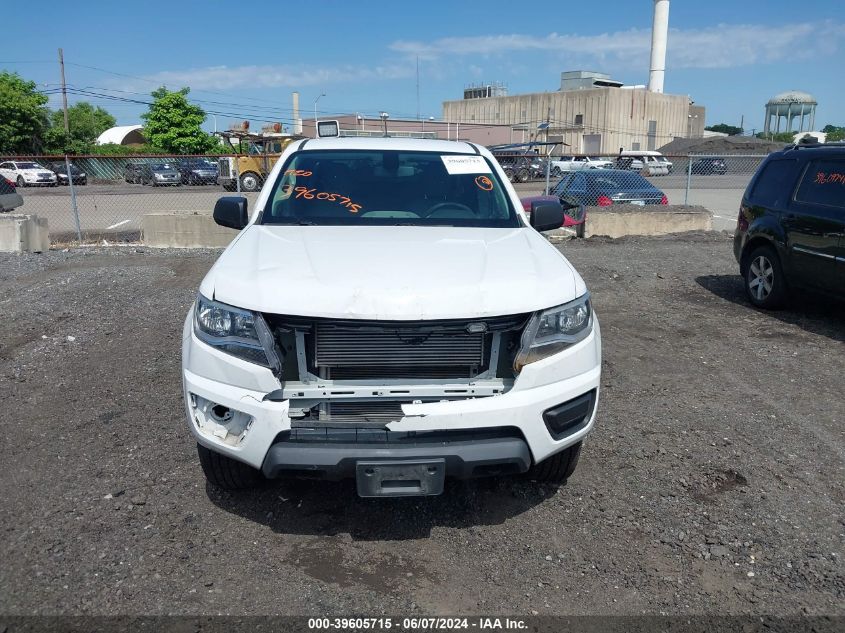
(714, 482)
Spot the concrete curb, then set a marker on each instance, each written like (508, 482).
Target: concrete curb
(24, 234)
(198, 230)
(626, 221)
(185, 230)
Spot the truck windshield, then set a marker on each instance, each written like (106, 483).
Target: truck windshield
(360, 188)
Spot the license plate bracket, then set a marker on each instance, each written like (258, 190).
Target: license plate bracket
(407, 478)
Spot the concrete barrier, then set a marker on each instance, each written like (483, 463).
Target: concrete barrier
(633, 220)
(184, 230)
(198, 230)
(24, 234)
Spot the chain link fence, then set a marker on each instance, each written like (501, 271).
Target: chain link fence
(714, 182)
(106, 197)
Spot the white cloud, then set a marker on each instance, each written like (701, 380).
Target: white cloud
(229, 77)
(722, 46)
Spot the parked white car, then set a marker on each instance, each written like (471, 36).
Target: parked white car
(654, 162)
(576, 163)
(27, 173)
(389, 313)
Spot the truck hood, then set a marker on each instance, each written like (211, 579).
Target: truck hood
(391, 273)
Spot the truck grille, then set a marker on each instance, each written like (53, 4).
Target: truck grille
(377, 413)
(224, 165)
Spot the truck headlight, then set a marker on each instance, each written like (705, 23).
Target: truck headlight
(238, 332)
(553, 330)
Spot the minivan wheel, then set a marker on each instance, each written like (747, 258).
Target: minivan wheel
(557, 468)
(764, 281)
(226, 473)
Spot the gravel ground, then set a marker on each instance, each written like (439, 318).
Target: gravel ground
(713, 483)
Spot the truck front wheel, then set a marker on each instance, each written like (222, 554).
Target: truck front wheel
(250, 182)
(227, 473)
(557, 468)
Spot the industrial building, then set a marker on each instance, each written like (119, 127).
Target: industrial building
(591, 112)
(362, 125)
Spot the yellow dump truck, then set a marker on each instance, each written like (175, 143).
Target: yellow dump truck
(256, 153)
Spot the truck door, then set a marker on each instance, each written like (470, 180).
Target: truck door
(815, 224)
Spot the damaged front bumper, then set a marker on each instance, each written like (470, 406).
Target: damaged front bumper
(264, 435)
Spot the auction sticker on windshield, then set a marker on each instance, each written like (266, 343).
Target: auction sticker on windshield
(465, 165)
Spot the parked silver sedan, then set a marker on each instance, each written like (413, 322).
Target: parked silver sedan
(160, 174)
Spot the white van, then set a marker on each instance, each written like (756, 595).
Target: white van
(389, 313)
(655, 162)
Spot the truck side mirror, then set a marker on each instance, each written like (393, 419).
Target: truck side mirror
(231, 211)
(546, 216)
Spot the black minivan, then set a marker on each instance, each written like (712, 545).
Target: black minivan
(791, 227)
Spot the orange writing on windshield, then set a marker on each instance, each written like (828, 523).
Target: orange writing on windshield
(484, 183)
(312, 194)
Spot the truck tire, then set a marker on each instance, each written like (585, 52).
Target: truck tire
(557, 468)
(226, 473)
(250, 181)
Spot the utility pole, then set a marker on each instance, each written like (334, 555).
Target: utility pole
(64, 89)
(68, 169)
(418, 87)
(742, 125)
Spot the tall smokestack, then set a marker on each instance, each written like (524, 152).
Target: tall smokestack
(297, 122)
(659, 35)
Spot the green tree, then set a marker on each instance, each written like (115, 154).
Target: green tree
(173, 124)
(834, 133)
(724, 128)
(85, 123)
(777, 137)
(23, 115)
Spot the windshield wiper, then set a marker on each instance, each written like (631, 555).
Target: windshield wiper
(291, 222)
(418, 224)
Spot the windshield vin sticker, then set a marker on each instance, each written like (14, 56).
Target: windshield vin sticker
(456, 165)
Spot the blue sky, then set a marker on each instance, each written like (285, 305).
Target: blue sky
(243, 61)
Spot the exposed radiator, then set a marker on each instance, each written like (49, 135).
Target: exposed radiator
(396, 346)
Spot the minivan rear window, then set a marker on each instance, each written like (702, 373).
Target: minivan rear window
(774, 184)
(823, 183)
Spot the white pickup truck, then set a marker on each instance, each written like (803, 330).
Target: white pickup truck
(389, 313)
(575, 163)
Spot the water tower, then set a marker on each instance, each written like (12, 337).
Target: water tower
(790, 106)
